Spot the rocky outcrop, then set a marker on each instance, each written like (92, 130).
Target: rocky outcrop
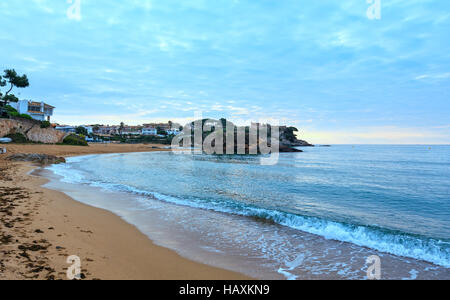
(296, 143)
(43, 159)
(31, 130)
(289, 139)
(286, 149)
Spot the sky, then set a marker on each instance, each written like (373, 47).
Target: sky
(337, 70)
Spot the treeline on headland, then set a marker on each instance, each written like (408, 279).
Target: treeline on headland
(227, 138)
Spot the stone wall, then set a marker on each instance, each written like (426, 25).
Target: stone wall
(31, 130)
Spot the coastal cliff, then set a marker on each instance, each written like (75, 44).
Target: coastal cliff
(31, 130)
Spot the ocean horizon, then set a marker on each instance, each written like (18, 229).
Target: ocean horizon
(319, 214)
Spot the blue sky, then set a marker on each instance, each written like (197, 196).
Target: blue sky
(322, 66)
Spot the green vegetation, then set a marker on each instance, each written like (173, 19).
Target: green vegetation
(81, 131)
(290, 134)
(18, 138)
(7, 111)
(45, 124)
(75, 140)
(25, 116)
(10, 109)
(15, 113)
(11, 78)
(160, 131)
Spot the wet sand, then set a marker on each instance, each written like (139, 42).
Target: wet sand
(41, 228)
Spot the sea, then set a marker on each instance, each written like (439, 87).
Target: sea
(327, 213)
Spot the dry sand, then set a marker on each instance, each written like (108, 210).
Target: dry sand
(40, 228)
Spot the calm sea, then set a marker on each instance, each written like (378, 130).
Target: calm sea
(316, 214)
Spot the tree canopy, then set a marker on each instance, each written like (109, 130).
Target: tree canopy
(81, 130)
(11, 78)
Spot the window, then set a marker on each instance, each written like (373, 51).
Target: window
(34, 108)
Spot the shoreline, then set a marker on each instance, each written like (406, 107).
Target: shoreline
(108, 246)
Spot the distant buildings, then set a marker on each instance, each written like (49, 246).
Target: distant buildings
(161, 126)
(130, 130)
(173, 131)
(67, 129)
(149, 131)
(37, 110)
(106, 130)
(155, 129)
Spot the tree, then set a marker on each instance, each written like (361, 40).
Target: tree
(10, 77)
(81, 130)
(122, 126)
(160, 131)
(2, 84)
(290, 134)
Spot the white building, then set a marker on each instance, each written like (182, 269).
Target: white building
(37, 110)
(173, 131)
(149, 131)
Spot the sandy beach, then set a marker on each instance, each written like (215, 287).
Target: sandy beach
(41, 228)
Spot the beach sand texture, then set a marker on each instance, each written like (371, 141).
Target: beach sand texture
(41, 228)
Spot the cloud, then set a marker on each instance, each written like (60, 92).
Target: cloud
(433, 76)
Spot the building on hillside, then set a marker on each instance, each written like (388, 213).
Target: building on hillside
(37, 110)
(132, 130)
(149, 131)
(107, 130)
(162, 126)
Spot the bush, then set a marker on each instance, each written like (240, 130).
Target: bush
(11, 109)
(75, 140)
(25, 116)
(17, 138)
(45, 124)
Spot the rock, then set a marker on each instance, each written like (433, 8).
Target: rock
(45, 135)
(33, 248)
(32, 130)
(37, 158)
(286, 149)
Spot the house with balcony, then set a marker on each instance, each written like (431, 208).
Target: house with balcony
(37, 110)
